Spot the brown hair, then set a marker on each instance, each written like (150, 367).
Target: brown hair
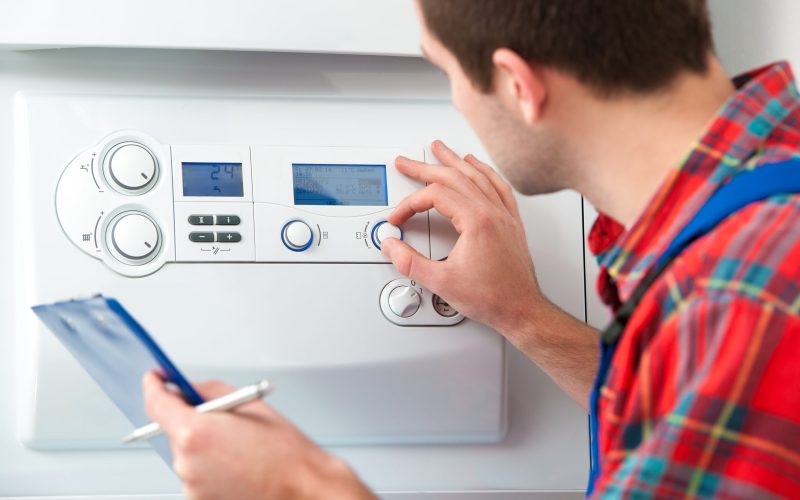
(613, 46)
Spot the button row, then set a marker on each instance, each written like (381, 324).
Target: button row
(221, 237)
(209, 220)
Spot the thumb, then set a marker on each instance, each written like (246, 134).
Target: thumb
(409, 262)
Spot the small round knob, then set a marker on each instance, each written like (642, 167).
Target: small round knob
(135, 236)
(383, 230)
(131, 167)
(297, 236)
(404, 301)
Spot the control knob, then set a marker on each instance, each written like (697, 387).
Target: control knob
(404, 301)
(383, 230)
(135, 237)
(297, 236)
(131, 168)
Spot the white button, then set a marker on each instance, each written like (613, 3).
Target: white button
(404, 301)
(385, 230)
(135, 236)
(132, 167)
(297, 235)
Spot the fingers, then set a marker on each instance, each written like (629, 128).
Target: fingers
(164, 407)
(411, 263)
(449, 158)
(500, 186)
(437, 196)
(430, 174)
(214, 389)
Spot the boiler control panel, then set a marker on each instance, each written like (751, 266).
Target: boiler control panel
(138, 204)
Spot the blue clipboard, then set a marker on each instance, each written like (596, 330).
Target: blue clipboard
(116, 351)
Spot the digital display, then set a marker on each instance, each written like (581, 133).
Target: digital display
(212, 179)
(343, 184)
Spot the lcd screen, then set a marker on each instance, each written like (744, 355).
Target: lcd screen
(212, 179)
(339, 184)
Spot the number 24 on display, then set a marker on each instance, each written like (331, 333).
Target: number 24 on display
(226, 170)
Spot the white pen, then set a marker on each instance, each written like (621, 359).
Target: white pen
(226, 402)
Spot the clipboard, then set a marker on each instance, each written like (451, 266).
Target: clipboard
(116, 351)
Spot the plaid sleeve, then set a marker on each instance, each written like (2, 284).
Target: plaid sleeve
(719, 389)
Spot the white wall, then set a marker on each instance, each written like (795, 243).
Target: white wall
(750, 33)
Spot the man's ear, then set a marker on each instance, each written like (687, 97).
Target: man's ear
(519, 84)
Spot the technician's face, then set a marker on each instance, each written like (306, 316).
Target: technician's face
(529, 156)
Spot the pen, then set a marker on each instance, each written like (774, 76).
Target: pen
(226, 402)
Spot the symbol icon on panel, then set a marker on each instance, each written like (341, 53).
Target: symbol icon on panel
(86, 236)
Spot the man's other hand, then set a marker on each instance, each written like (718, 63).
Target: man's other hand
(252, 452)
(489, 275)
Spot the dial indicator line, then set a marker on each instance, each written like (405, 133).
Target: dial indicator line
(93, 177)
(97, 223)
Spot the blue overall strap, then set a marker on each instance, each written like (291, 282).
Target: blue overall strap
(744, 189)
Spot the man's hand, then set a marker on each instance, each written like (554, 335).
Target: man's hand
(489, 274)
(252, 452)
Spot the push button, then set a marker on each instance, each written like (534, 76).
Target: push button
(228, 237)
(228, 220)
(201, 220)
(201, 237)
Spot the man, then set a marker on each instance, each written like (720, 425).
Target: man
(624, 102)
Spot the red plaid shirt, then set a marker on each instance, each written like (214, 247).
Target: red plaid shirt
(703, 395)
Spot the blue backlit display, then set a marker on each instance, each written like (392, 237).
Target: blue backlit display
(339, 184)
(212, 179)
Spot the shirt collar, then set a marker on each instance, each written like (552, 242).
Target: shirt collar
(765, 97)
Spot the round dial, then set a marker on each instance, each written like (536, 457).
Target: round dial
(383, 230)
(443, 308)
(297, 236)
(404, 301)
(131, 167)
(135, 236)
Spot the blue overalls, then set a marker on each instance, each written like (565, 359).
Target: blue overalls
(745, 188)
